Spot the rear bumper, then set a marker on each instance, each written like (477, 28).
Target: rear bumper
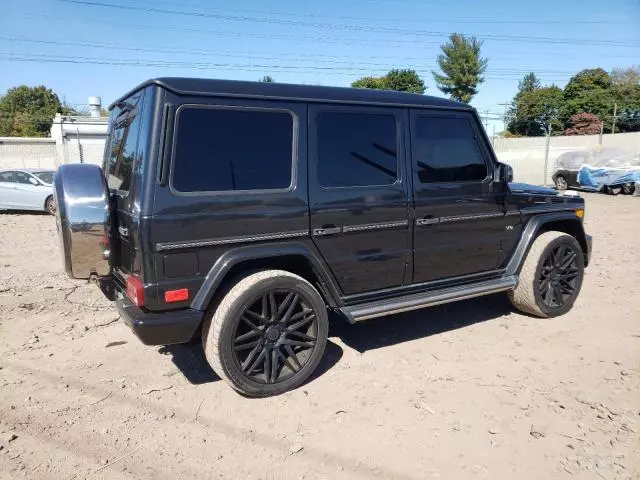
(152, 328)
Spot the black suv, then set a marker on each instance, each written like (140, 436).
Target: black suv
(246, 211)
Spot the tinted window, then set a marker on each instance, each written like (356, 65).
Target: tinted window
(445, 149)
(232, 149)
(356, 149)
(21, 177)
(46, 177)
(124, 136)
(6, 177)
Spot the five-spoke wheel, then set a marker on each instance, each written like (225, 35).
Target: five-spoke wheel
(267, 334)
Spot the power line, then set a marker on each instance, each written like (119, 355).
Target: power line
(331, 59)
(394, 43)
(30, 57)
(245, 18)
(406, 20)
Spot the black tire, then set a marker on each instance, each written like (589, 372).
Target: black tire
(613, 190)
(561, 183)
(628, 189)
(256, 316)
(50, 205)
(551, 277)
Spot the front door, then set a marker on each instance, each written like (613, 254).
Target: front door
(358, 195)
(459, 210)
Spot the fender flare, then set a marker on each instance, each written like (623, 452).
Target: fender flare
(530, 232)
(231, 258)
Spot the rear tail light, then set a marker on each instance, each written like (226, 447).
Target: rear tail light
(135, 290)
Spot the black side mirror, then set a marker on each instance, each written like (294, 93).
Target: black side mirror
(505, 173)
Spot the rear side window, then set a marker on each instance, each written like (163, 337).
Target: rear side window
(445, 149)
(356, 149)
(7, 177)
(227, 149)
(124, 138)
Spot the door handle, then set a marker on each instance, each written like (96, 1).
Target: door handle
(124, 232)
(427, 221)
(327, 230)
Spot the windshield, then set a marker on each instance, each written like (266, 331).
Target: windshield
(46, 177)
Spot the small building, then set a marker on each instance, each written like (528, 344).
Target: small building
(73, 139)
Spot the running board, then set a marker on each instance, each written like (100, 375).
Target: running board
(389, 306)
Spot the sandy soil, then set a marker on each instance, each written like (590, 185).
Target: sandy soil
(471, 390)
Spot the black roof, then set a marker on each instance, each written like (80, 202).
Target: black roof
(293, 92)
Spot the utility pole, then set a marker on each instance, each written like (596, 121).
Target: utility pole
(486, 120)
(546, 153)
(615, 112)
(601, 132)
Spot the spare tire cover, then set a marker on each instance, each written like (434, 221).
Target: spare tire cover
(82, 219)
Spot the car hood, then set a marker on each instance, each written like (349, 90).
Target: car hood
(535, 189)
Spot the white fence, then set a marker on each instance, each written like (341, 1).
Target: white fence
(526, 155)
(45, 153)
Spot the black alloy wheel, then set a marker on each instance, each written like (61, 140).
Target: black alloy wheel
(275, 337)
(559, 276)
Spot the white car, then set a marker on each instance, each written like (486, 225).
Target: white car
(27, 189)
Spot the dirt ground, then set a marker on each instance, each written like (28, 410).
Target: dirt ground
(470, 390)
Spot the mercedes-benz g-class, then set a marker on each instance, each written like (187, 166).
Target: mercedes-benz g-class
(244, 212)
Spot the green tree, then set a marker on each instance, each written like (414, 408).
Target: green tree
(626, 93)
(28, 111)
(588, 91)
(267, 79)
(535, 110)
(400, 80)
(374, 83)
(462, 67)
(529, 82)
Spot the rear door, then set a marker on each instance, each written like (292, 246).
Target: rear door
(459, 209)
(29, 194)
(8, 191)
(122, 161)
(358, 194)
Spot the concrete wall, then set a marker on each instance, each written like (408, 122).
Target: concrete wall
(73, 140)
(526, 155)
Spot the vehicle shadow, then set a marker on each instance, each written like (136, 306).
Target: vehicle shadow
(394, 329)
(190, 360)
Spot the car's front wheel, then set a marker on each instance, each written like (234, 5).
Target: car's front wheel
(551, 277)
(267, 334)
(561, 183)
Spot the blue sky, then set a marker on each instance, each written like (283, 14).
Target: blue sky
(94, 47)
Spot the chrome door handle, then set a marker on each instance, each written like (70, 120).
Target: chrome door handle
(324, 231)
(123, 231)
(427, 221)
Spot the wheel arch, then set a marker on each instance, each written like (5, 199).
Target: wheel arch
(566, 222)
(294, 257)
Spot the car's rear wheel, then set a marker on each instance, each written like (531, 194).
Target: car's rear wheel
(551, 277)
(628, 189)
(268, 333)
(613, 190)
(561, 183)
(50, 205)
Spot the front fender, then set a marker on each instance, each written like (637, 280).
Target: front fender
(236, 256)
(566, 222)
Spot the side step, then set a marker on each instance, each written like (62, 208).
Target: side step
(389, 306)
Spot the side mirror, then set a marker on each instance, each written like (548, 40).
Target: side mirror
(505, 173)
(33, 181)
